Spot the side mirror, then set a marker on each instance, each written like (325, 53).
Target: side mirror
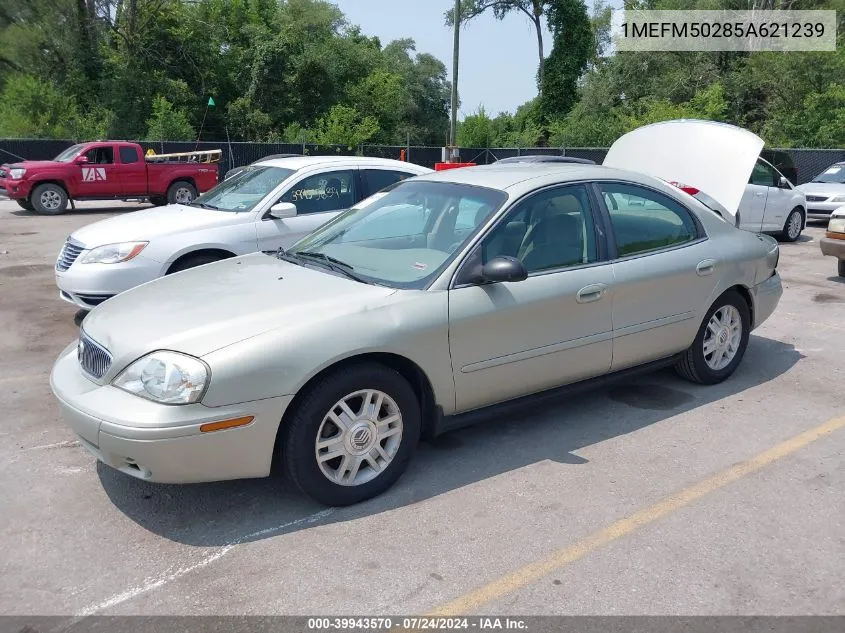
(283, 210)
(82, 159)
(783, 183)
(504, 268)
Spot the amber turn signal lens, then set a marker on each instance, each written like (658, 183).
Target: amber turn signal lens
(226, 424)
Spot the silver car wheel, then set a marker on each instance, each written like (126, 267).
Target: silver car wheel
(723, 337)
(50, 200)
(359, 437)
(183, 195)
(793, 230)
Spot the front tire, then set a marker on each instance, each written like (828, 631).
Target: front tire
(25, 204)
(49, 199)
(352, 435)
(181, 192)
(720, 343)
(793, 226)
(158, 201)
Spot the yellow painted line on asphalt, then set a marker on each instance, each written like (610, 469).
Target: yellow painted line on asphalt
(534, 571)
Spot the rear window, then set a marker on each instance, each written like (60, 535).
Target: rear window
(128, 155)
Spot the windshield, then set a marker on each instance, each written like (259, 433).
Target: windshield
(404, 237)
(834, 173)
(243, 191)
(69, 154)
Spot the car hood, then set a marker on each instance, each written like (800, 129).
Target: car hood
(715, 158)
(204, 309)
(33, 164)
(150, 223)
(822, 188)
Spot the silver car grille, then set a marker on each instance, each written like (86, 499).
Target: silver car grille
(816, 198)
(70, 251)
(94, 359)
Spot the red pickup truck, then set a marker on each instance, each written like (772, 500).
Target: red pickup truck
(108, 170)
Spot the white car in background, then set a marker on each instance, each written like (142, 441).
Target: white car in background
(826, 192)
(770, 203)
(269, 205)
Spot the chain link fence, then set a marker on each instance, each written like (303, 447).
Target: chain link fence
(799, 165)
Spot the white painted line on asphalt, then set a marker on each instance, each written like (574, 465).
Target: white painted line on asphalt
(168, 576)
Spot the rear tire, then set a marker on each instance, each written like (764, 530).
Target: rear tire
(25, 204)
(841, 268)
(158, 201)
(192, 261)
(181, 192)
(718, 347)
(371, 452)
(793, 226)
(49, 199)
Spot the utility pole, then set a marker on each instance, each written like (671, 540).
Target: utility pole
(453, 132)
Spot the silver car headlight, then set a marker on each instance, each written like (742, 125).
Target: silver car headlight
(113, 253)
(166, 377)
(838, 199)
(17, 173)
(837, 224)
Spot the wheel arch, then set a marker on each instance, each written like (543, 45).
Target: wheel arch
(745, 293)
(50, 181)
(405, 367)
(219, 252)
(189, 179)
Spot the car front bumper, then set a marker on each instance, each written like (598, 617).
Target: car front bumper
(822, 210)
(88, 285)
(833, 247)
(15, 189)
(163, 443)
(766, 296)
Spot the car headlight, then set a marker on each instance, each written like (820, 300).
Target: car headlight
(113, 253)
(166, 377)
(838, 199)
(836, 225)
(16, 173)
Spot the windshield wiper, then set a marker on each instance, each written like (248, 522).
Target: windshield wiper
(331, 263)
(203, 205)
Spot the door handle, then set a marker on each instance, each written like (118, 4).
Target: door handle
(593, 292)
(705, 267)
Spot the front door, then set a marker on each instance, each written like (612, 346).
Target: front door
(663, 268)
(318, 198)
(100, 176)
(513, 339)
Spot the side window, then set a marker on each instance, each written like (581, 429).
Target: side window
(763, 175)
(128, 155)
(377, 179)
(100, 156)
(552, 229)
(329, 191)
(645, 220)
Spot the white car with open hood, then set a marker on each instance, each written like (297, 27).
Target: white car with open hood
(449, 296)
(267, 205)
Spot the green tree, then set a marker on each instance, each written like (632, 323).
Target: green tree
(344, 125)
(475, 130)
(167, 123)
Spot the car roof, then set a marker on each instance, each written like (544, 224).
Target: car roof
(510, 176)
(302, 162)
(546, 158)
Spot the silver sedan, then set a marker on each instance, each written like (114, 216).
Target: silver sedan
(424, 308)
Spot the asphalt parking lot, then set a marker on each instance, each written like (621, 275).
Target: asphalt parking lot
(650, 497)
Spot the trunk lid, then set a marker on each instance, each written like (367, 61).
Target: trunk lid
(715, 158)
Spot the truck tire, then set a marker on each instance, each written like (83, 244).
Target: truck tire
(158, 201)
(181, 192)
(25, 204)
(49, 199)
(841, 269)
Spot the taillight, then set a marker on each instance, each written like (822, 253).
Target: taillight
(685, 188)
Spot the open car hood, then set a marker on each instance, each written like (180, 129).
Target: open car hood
(715, 158)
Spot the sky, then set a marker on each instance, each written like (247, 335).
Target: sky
(498, 59)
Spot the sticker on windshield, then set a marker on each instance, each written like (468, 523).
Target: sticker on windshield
(833, 170)
(420, 266)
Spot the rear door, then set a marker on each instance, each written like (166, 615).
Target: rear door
(664, 272)
(100, 176)
(133, 170)
(318, 197)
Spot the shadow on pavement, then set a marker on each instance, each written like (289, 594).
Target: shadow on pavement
(249, 510)
(85, 211)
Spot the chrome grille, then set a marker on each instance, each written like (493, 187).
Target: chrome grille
(94, 359)
(816, 198)
(70, 251)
